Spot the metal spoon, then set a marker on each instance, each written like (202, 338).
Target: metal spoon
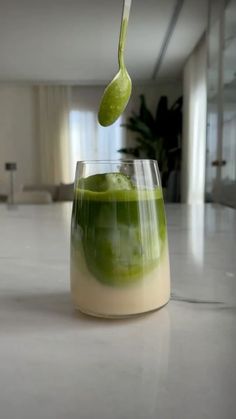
(118, 91)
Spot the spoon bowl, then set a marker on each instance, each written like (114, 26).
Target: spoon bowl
(118, 91)
(115, 98)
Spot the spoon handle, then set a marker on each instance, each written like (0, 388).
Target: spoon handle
(126, 9)
(123, 31)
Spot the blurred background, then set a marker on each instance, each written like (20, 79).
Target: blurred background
(56, 57)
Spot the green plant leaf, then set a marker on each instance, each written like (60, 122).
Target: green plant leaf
(146, 142)
(161, 118)
(133, 151)
(159, 137)
(145, 114)
(141, 128)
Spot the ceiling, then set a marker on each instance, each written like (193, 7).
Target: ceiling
(75, 41)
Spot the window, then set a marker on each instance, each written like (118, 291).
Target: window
(90, 141)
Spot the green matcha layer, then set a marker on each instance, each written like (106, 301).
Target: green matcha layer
(122, 228)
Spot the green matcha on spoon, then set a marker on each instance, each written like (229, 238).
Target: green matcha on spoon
(118, 91)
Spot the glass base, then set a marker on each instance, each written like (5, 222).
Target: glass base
(118, 316)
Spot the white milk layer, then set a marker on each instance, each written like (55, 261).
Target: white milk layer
(92, 297)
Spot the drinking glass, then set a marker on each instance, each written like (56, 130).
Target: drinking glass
(119, 244)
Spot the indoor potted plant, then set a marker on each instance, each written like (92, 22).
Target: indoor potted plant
(159, 137)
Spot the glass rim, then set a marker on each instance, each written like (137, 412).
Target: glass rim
(127, 161)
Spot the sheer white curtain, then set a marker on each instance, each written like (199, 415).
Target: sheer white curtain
(194, 132)
(89, 140)
(52, 125)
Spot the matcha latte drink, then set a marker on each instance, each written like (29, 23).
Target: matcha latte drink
(119, 246)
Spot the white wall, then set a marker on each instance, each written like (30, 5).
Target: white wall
(17, 135)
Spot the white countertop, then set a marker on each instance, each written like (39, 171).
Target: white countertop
(176, 363)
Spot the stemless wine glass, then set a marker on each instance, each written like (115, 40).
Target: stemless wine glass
(119, 245)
